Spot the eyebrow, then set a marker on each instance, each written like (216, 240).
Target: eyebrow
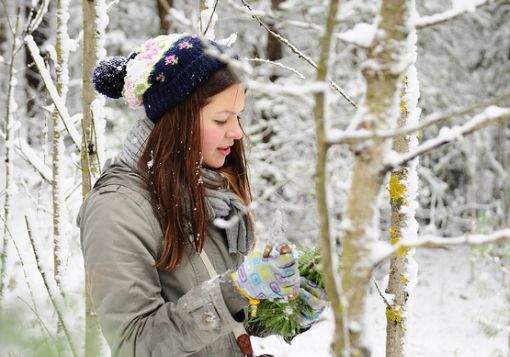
(229, 112)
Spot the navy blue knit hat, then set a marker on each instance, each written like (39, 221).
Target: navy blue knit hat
(158, 75)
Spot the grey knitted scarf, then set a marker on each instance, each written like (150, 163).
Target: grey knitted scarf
(224, 208)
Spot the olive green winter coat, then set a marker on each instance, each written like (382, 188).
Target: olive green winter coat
(144, 311)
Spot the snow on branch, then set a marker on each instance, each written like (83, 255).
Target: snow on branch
(300, 54)
(361, 35)
(431, 241)
(50, 86)
(35, 18)
(24, 151)
(489, 116)
(465, 7)
(336, 136)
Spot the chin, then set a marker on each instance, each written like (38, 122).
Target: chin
(214, 164)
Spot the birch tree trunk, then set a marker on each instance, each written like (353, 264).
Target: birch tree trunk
(88, 152)
(9, 110)
(62, 75)
(403, 189)
(387, 61)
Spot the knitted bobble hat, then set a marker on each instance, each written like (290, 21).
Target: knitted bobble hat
(159, 74)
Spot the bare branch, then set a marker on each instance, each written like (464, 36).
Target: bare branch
(436, 19)
(298, 52)
(276, 64)
(210, 18)
(48, 290)
(354, 136)
(381, 294)
(489, 116)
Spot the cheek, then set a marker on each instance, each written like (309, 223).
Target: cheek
(211, 137)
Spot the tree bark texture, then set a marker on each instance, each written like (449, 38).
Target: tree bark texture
(88, 152)
(328, 248)
(163, 7)
(387, 60)
(62, 74)
(403, 192)
(8, 161)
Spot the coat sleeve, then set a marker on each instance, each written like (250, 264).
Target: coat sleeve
(119, 248)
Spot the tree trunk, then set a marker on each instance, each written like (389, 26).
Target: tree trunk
(274, 46)
(9, 110)
(62, 74)
(403, 192)
(33, 82)
(88, 151)
(163, 7)
(387, 59)
(328, 248)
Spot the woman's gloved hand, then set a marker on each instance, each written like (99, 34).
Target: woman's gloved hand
(272, 277)
(315, 298)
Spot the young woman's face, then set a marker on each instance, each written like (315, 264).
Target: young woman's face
(220, 125)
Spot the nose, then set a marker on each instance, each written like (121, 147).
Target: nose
(234, 131)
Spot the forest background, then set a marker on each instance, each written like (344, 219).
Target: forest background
(462, 60)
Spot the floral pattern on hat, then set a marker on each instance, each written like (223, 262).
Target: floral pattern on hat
(139, 68)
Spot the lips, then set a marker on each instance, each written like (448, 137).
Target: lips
(225, 151)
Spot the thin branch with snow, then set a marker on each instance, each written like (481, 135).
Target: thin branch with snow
(50, 86)
(489, 116)
(300, 54)
(436, 19)
(25, 152)
(351, 137)
(431, 241)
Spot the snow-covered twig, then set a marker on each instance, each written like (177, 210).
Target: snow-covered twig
(50, 86)
(436, 19)
(50, 294)
(431, 241)
(25, 152)
(354, 136)
(489, 116)
(276, 64)
(300, 54)
(35, 20)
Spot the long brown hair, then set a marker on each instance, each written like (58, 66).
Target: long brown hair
(170, 164)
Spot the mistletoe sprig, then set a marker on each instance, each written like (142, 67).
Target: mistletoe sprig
(279, 317)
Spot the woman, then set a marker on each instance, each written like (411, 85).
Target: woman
(169, 213)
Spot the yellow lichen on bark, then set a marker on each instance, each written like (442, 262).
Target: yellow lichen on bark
(397, 190)
(394, 314)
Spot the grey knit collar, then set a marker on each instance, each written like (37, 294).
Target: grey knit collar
(224, 208)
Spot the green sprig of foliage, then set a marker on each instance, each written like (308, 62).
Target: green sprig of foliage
(280, 317)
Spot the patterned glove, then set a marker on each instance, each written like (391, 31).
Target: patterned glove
(274, 277)
(316, 298)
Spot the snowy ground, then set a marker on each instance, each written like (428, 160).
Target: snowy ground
(447, 308)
